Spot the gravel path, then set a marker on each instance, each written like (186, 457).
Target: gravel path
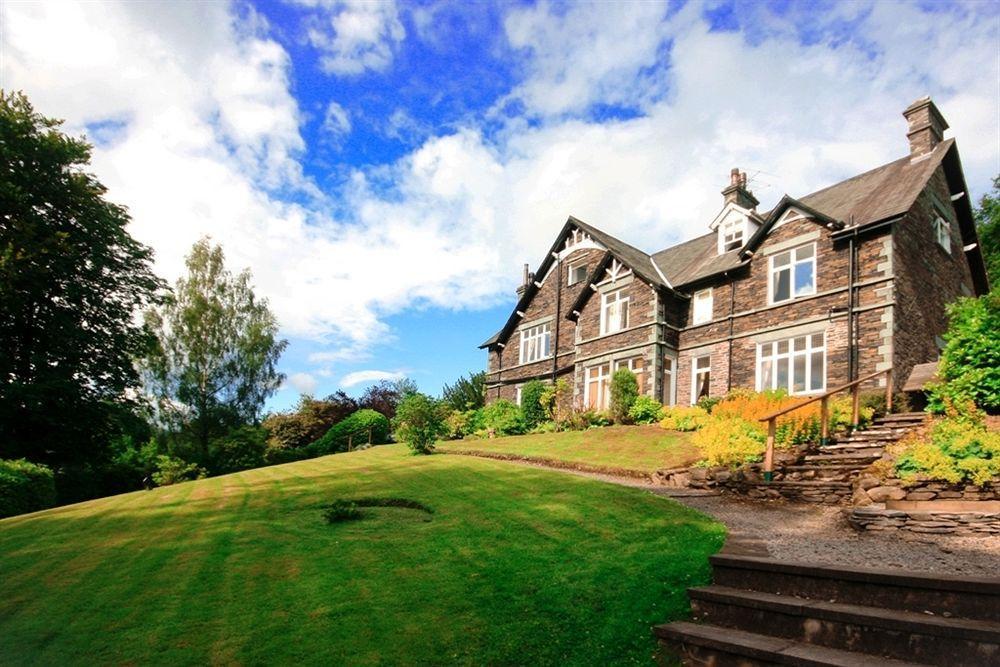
(820, 534)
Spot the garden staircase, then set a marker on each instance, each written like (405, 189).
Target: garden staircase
(761, 611)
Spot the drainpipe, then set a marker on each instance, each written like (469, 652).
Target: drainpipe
(852, 362)
(732, 307)
(555, 346)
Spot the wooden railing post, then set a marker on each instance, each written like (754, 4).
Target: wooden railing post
(824, 417)
(888, 391)
(855, 406)
(769, 452)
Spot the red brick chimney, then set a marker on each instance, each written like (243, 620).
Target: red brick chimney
(925, 126)
(737, 191)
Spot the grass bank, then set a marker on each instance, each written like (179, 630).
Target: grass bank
(514, 565)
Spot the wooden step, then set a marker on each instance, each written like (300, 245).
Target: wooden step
(699, 644)
(962, 597)
(863, 629)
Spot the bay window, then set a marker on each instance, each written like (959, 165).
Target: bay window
(797, 365)
(637, 366)
(793, 273)
(614, 312)
(596, 387)
(701, 377)
(535, 343)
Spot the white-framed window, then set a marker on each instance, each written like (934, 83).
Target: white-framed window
(701, 306)
(792, 273)
(577, 273)
(942, 233)
(669, 381)
(732, 234)
(535, 343)
(517, 394)
(596, 387)
(614, 311)
(638, 367)
(701, 377)
(797, 365)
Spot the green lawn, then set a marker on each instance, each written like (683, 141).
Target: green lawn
(515, 565)
(639, 448)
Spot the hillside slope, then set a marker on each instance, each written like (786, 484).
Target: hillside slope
(515, 564)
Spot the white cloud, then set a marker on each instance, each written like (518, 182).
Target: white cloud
(336, 121)
(354, 35)
(369, 376)
(304, 383)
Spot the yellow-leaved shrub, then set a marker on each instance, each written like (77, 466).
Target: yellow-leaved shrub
(681, 418)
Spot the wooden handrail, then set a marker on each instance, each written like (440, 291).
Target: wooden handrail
(824, 415)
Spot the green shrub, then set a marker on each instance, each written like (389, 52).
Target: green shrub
(274, 455)
(624, 391)
(707, 403)
(958, 448)
(242, 449)
(359, 429)
(341, 510)
(25, 487)
(552, 397)
(681, 418)
(645, 410)
(970, 360)
(531, 403)
(420, 422)
(501, 417)
(172, 470)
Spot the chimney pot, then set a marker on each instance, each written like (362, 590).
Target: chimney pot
(737, 191)
(734, 176)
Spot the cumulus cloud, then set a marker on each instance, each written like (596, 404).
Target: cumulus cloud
(304, 383)
(368, 377)
(213, 146)
(354, 35)
(336, 121)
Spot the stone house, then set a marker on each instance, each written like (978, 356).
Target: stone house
(818, 291)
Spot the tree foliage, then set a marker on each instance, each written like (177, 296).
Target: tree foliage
(970, 361)
(531, 403)
(360, 429)
(71, 280)
(420, 421)
(308, 421)
(214, 362)
(467, 393)
(987, 216)
(385, 396)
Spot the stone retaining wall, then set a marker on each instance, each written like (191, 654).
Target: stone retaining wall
(877, 518)
(870, 489)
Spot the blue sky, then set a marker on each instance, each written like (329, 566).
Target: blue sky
(384, 169)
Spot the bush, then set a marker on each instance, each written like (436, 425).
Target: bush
(624, 391)
(419, 422)
(501, 417)
(730, 442)
(341, 510)
(958, 448)
(552, 397)
(970, 360)
(25, 487)
(680, 418)
(359, 429)
(172, 470)
(579, 420)
(531, 404)
(645, 410)
(242, 449)
(708, 403)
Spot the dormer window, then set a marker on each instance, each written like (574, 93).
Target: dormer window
(732, 234)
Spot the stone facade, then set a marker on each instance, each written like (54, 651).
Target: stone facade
(877, 300)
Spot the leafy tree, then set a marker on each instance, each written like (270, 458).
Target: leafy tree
(214, 362)
(420, 422)
(356, 431)
(240, 449)
(624, 391)
(71, 280)
(531, 403)
(467, 393)
(987, 216)
(970, 361)
(384, 396)
(310, 419)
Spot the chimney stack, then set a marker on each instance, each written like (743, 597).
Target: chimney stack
(737, 192)
(925, 126)
(526, 280)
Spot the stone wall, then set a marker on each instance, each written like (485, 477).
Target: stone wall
(876, 518)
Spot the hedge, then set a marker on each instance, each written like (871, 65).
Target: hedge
(25, 487)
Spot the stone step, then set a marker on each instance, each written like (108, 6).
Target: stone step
(902, 418)
(717, 646)
(923, 593)
(859, 458)
(858, 628)
(843, 446)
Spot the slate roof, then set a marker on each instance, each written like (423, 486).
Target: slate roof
(877, 195)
